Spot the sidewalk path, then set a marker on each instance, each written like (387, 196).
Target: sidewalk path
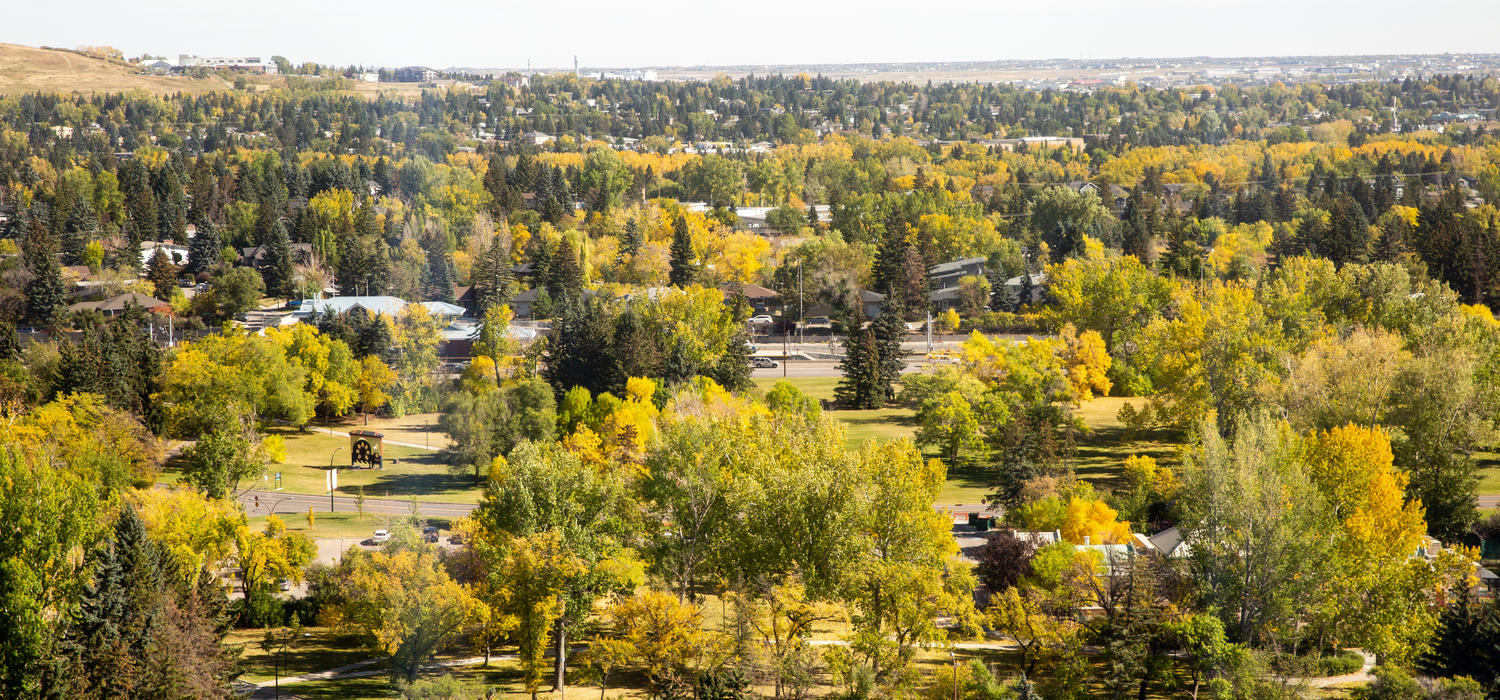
(1360, 676)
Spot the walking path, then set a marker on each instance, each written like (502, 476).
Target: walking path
(412, 445)
(1360, 676)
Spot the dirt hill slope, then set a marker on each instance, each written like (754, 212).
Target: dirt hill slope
(30, 69)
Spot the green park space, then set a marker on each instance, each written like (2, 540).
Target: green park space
(323, 648)
(407, 471)
(1100, 452)
(328, 525)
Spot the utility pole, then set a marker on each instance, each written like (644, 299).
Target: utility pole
(800, 321)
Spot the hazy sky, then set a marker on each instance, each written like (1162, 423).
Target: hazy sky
(443, 33)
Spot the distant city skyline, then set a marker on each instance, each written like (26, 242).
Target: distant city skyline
(467, 33)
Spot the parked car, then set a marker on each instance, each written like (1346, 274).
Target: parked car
(764, 363)
(285, 584)
(430, 533)
(761, 320)
(818, 322)
(381, 537)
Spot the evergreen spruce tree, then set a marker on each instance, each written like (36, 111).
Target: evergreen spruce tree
(275, 263)
(682, 272)
(1467, 643)
(46, 298)
(732, 369)
(581, 350)
(10, 342)
(79, 223)
(1027, 292)
(889, 331)
(162, 274)
(109, 642)
(171, 207)
(438, 280)
(140, 201)
(204, 249)
(1347, 237)
(564, 276)
(1002, 297)
(637, 350)
(860, 386)
(497, 187)
(494, 283)
(630, 240)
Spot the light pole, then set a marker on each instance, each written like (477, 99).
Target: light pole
(954, 658)
(800, 321)
(330, 476)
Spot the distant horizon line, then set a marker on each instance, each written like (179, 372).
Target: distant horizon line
(804, 66)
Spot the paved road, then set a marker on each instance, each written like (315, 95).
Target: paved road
(262, 502)
(1489, 501)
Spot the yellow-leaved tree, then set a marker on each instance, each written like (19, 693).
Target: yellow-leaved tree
(1377, 595)
(409, 605)
(1087, 362)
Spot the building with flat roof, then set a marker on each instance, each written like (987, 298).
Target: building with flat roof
(252, 64)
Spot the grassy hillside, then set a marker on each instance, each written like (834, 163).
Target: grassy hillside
(30, 69)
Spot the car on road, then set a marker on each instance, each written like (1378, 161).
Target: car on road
(761, 320)
(818, 322)
(764, 363)
(381, 537)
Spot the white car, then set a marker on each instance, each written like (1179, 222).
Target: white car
(764, 363)
(381, 536)
(761, 320)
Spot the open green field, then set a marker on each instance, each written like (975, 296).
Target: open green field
(1489, 471)
(1100, 452)
(323, 648)
(408, 471)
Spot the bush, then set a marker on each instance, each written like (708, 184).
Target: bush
(1340, 664)
(1337, 663)
(446, 687)
(1002, 322)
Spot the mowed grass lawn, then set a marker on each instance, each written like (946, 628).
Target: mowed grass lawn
(408, 471)
(1100, 452)
(323, 648)
(1489, 471)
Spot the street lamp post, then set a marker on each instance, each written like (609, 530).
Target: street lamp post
(954, 658)
(330, 471)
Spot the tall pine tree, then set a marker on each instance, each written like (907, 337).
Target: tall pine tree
(46, 299)
(275, 263)
(860, 386)
(682, 270)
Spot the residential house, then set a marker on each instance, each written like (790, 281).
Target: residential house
(872, 302)
(464, 296)
(302, 254)
(178, 254)
(522, 304)
(117, 304)
(762, 300)
(1038, 283)
(946, 275)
